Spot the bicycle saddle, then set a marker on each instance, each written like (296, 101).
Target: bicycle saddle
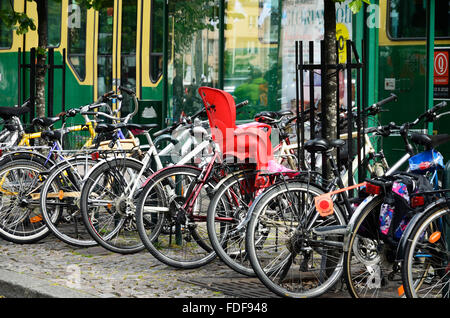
(103, 128)
(429, 141)
(8, 112)
(45, 121)
(137, 129)
(52, 134)
(323, 145)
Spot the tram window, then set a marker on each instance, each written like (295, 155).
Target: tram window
(54, 23)
(6, 35)
(407, 19)
(76, 47)
(156, 40)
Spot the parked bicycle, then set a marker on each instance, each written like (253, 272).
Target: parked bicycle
(302, 251)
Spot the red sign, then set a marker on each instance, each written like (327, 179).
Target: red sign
(441, 72)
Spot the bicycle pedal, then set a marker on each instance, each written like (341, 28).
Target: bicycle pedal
(331, 230)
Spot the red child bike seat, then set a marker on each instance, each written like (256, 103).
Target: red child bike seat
(248, 142)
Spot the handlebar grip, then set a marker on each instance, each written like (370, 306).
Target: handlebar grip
(242, 104)
(26, 103)
(201, 111)
(108, 94)
(387, 100)
(392, 125)
(93, 106)
(126, 90)
(438, 106)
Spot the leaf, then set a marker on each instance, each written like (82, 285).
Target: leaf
(355, 6)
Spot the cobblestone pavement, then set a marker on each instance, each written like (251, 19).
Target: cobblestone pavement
(97, 272)
(101, 273)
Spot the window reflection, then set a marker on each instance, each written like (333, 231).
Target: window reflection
(76, 48)
(54, 23)
(104, 55)
(407, 19)
(251, 54)
(193, 53)
(156, 41)
(128, 51)
(6, 35)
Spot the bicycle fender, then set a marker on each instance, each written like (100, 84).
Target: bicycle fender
(417, 218)
(163, 169)
(233, 174)
(28, 155)
(165, 136)
(351, 222)
(103, 161)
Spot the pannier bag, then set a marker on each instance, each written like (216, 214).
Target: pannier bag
(396, 210)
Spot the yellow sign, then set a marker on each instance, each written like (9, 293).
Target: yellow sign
(342, 35)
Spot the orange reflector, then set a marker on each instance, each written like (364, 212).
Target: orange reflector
(400, 290)
(324, 204)
(109, 205)
(434, 237)
(61, 194)
(35, 219)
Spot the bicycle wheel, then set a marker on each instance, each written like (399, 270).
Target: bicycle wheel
(61, 194)
(370, 265)
(426, 267)
(20, 216)
(284, 251)
(108, 204)
(228, 209)
(180, 239)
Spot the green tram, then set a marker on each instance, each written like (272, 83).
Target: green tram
(165, 50)
(401, 64)
(103, 49)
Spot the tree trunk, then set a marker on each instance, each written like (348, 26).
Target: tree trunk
(41, 57)
(329, 98)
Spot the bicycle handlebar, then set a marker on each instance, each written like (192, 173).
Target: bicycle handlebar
(127, 90)
(242, 104)
(392, 97)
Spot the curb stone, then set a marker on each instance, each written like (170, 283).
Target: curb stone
(17, 285)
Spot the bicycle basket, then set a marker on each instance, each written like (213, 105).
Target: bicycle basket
(429, 160)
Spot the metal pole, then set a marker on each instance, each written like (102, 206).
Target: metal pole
(51, 82)
(221, 43)
(430, 58)
(165, 99)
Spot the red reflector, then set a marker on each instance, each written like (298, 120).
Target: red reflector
(324, 205)
(417, 201)
(1, 152)
(95, 156)
(372, 189)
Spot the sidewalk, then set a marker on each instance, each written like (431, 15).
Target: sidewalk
(52, 268)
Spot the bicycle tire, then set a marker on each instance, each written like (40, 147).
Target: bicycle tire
(291, 260)
(179, 241)
(227, 209)
(20, 218)
(369, 262)
(111, 220)
(62, 191)
(425, 268)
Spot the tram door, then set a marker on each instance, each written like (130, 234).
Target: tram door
(116, 43)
